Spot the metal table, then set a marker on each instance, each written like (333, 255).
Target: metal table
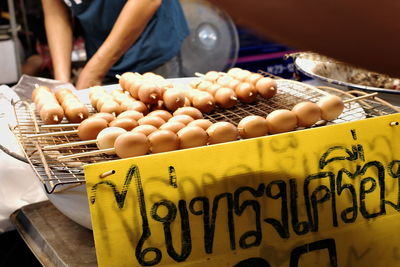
(53, 238)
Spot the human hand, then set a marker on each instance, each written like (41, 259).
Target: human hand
(91, 75)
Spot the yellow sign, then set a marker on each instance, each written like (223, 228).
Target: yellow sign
(328, 196)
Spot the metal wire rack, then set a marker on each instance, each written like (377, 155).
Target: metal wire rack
(54, 172)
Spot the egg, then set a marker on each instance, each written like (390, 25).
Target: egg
(212, 76)
(281, 120)
(149, 92)
(106, 116)
(76, 112)
(132, 114)
(173, 99)
(307, 113)
(225, 97)
(203, 85)
(254, 78)
(266, 87)
(106, 137)
(202, 123)
(246, 93)
(204, 102)
(253, 126)
(221, 132)
(135, 105)
(192, 136)
(163, 141)
(331, 107)
(152, 120)
(225, 80)
(89, 128)
(145, 129)
(213, 89)
(190, 111)
(185, 119)
(125, 123)
(173, 126)
(110, 107)
(163, 114)
(131, 144)
(51, 113)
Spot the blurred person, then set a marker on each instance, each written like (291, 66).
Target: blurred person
(364, 33)
(120, 36)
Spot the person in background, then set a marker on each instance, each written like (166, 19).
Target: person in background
(120, 36)
(364, 33)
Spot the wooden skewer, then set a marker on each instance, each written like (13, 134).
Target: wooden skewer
(79, 143)
(88, 153)
(52, 134)
(118, 76)
(359, 98)
(198, 74)
(47, 126)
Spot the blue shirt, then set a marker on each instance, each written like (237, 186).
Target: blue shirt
(159, 42)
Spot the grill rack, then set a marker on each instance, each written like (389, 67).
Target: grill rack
(57, 175)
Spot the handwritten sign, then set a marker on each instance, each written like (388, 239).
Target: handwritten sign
(328, 196)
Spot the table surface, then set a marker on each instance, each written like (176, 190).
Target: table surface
(53, 238)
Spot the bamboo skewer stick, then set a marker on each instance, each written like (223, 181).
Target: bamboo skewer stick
(88, 153)
(48, 126)
(79, 143)
(359, 98)
(52, 134)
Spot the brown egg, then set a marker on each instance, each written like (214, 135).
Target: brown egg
(173, 99)
(246, 93)
(125, 123)
(192, 136)
(212, 76)
(61, 93)
(185, 119)
(204, 102)
(106, 137)
(89, 128)
(331, 107)
(149, 93)
(234, 84)
(254, 78)
(145, 129)
(152, 120)
(135, 105)
(253, 126)
(76, 112)
(163, 141)
(242, 75)
(134, 86)
(163, 114)
(69, 101)
(226, 97)
(281, 120)
(203, 85)
(131, 144)
(266, 87)
(191, 111)
(44, 100)
(225, 80)
(132, 114)
(202, 123)
(173, 126)
(121, 97)
(106, 116)
(307, 113)
(51, 113)
(221, 132)
(103, 99)
(125, 78)
(39, 89)
(213, 89)
(234, 71)
(110, 107)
